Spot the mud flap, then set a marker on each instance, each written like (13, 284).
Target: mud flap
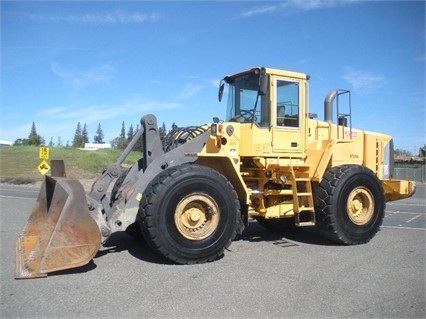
(60, 232)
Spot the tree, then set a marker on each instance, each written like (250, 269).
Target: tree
(130, 133)
(33, 132)
(139, 144)
(85, 134)
(120, 142)
(162, 133)
(33, 138)
(401, 152)
(59, 142)
(78, 140)
(18, 142)
(123, 131)
(51, 142)
(99, 137)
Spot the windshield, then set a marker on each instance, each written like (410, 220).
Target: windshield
(244, 102)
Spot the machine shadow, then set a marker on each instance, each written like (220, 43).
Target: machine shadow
(118, 242)
(305, 235)
(79, 270)
(138, 248)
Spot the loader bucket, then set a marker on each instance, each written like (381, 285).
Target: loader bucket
(60, 232)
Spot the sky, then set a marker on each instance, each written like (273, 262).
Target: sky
(109, 62)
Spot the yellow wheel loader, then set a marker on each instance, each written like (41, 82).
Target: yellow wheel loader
(192, 193)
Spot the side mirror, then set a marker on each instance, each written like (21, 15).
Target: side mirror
(263, 85)
(220, 93)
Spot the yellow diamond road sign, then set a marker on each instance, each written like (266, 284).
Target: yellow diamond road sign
(44, 167)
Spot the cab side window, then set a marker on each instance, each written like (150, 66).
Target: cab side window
(287, 103)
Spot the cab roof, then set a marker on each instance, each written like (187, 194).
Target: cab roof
(272, 71)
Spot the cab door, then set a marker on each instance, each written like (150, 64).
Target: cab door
(288, 110)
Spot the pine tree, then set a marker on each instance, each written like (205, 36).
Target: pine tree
(33, 138)
(78, 140)
(162, 133)
(33, 132)
(138, 146)
(85, 134)
(120, 142)
(130, 133)
(123, 131)
(99, 137)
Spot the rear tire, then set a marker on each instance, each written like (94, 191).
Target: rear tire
(350, 205)
(189, 214)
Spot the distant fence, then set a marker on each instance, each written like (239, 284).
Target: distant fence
(412, 172)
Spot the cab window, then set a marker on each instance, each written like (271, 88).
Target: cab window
(245, 105)
(287, 103)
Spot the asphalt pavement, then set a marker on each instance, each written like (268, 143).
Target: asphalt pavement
(263, 275)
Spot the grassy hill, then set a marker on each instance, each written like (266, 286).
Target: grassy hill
(18, 164)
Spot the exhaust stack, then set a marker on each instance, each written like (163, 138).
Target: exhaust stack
(328, 106)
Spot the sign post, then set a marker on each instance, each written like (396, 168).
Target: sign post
(44, 166)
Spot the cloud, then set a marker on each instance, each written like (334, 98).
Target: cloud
(214, 82)
(100, 18)
(99, 74)
(97, 113)
(309, 5)
(62, 120)
(292, 6)
(363, 80)
(189, 90)
(261, 10)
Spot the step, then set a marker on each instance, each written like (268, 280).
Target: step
(310, 222)
(304, 194)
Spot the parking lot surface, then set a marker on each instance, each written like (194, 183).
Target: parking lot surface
(263, 274)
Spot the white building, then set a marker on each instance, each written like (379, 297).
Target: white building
(95, 146)
(3, 142)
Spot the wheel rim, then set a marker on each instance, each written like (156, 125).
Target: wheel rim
(197, 216)
(360, 206)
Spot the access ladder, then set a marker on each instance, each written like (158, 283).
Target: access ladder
(303, 201)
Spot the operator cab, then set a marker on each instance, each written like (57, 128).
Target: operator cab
(248, 97)
(270, 99)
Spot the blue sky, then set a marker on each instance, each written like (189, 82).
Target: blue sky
(64, 62)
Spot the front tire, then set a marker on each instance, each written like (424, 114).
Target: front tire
(189, 214)
(350, 205)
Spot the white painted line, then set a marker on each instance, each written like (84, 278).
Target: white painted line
(401, 227)
(17, 197)
(411, 219)
(404, 204)
(390, 212)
